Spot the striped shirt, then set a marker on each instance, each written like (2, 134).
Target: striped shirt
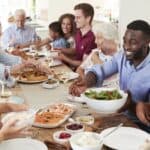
(13, 36)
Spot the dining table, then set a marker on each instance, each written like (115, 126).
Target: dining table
(38, 97)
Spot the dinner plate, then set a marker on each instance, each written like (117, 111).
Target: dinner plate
(22, 144)
(54, 63)
(125, 138)
(31, 82)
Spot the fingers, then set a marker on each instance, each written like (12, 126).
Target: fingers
(142, 117)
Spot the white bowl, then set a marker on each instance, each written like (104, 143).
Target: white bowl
(50, 86)
(85, 141)
(105, 106)
(89, 120)
(59, 140)
(74, 131)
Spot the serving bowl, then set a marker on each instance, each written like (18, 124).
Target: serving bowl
(105, 105)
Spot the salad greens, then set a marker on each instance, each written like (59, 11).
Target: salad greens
(103, 95)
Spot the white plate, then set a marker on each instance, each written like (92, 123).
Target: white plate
(22, 144)
(125, 138)
(75, 99)
(54, 63)
(58, 123)
(50, 86)
(24, 118)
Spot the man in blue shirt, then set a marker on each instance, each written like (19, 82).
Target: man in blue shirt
(19, 35)
(133, 65)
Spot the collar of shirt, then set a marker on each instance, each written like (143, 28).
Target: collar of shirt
(17, 28)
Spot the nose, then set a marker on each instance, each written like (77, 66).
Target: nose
(126, 47)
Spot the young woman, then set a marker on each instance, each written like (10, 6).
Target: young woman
(68, 28)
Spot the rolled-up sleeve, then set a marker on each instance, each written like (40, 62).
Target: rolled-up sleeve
(105, 70)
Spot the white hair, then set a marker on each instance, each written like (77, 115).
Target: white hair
(20, 12)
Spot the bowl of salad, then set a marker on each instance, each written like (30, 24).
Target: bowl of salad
(105, 100)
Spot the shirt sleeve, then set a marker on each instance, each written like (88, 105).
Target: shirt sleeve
(8, 59)
(105, 70)
(5, 39)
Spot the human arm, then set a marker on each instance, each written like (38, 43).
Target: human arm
(9, 130)
(95, 58)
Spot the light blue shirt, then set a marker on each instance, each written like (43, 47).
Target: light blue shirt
(13, 36)
(9, 61)
(134, 79)
(59, 43)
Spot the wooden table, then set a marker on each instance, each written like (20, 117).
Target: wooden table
(37, 96)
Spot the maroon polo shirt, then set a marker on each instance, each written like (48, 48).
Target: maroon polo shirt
(84, 44)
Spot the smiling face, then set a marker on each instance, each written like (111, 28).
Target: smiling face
(20, 21)
(80, 20)
(66, 26)
(135, 44)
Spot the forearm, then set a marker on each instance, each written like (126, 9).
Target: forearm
(90, 79)
(80, 71)
(68, 51)
(74, 63)
(4, 108)
(1, 136)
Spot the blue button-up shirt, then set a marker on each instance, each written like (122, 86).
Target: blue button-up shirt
(13, 36)
(135, 79)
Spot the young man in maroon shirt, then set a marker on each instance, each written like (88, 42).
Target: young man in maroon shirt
(84, 38)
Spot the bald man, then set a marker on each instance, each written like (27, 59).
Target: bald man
(19, 35)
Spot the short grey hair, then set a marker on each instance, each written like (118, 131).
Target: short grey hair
(20, 12)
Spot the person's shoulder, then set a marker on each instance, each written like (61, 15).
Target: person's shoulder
(10, 28)
(28, 27)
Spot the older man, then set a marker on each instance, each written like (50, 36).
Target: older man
(133, 65)
(19, 35)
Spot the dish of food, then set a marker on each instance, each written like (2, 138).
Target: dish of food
(53, 115)
(31, 74)
(89, 120)
(66, 76)
(61, 136)
(103, 95)
(50, 83)
(74, 127)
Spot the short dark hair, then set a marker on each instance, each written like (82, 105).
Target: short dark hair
(87, 10)
(56, 27)
(140, 25)
(71, 17)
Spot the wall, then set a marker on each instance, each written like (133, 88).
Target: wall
(131, 10)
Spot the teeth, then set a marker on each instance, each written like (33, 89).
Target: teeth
(128, 53)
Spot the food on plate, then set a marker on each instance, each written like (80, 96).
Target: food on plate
(103, 95)
(48, 117)
(51, 81)
(53, 114)
(31, 73)
(20, 53)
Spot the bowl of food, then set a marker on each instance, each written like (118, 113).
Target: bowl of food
(85, 141)
(62, 136)
(105, 100)
(89, 120)
(74, 127)
(50, 83)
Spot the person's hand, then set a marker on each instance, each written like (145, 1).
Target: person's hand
(61, 57)
(77, 87)
(143, 112)
(48, 46)
(10, 130)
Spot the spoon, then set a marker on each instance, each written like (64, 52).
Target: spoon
(109, 133)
